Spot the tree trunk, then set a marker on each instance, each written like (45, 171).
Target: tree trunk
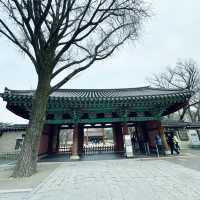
(27, 161)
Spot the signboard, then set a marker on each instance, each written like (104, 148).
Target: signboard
(194, 138)
(128, 146)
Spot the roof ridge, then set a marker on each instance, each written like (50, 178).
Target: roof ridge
(9, 90)
(100, 89)
(83, 89)
(108, 93)
(168, 89)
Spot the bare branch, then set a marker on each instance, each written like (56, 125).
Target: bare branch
(48, 31)
(185, 75)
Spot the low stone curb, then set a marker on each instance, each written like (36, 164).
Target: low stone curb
(16, 190)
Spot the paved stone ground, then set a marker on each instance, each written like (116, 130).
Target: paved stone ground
(13, 196)
(190, 160)
(122, 179)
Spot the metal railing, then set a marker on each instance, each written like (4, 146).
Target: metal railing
(156, 150)
(9, 155)
(65, 150)
(97, 149)
(110, 148)
(145, 149)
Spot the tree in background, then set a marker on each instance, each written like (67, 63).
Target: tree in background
(185, 75)
(64, 37)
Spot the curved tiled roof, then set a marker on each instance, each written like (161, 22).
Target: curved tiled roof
(158, 100)
(105, 93)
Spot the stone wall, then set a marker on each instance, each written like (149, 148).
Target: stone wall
(8, 141)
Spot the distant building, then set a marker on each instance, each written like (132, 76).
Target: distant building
(11, 138)
(187, 133)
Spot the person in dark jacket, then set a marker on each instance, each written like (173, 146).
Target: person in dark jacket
(171, 144)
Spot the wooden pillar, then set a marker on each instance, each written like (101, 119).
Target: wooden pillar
(50, 139)
(75, 155)
(118, 138)
(55, 143)
(154, 128)
(125, 129)
(87, 136)
(58, 139)
(163, 138)
(80, 139)
(53, 139)
(103, 135)
(115, 137)
(44, 140)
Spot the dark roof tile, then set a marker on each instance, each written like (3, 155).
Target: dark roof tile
(105, 93)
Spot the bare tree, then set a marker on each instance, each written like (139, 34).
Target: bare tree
(185, 75)
(64, 36)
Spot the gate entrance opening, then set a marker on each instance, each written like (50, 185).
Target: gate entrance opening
(93, 141)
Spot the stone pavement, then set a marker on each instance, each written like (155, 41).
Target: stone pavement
(119, 180)
(152, 179)
(13, 195)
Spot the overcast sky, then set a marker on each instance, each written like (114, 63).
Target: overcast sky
(172, 34)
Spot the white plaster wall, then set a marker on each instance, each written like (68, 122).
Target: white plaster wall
(8, 141)
(66, 136)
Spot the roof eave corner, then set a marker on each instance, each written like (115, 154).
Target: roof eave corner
(6, 91)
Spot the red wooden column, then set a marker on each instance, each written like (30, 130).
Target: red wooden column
(80, 139)
(163, 138)
(115, 137)
(75, 155)
(118, 137)
(155, 128)
(44, 140)
(125, 129)
(53, 139)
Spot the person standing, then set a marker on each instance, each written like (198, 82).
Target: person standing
(171, 144)
(159, 143)
(133, 141)
(176, 145)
